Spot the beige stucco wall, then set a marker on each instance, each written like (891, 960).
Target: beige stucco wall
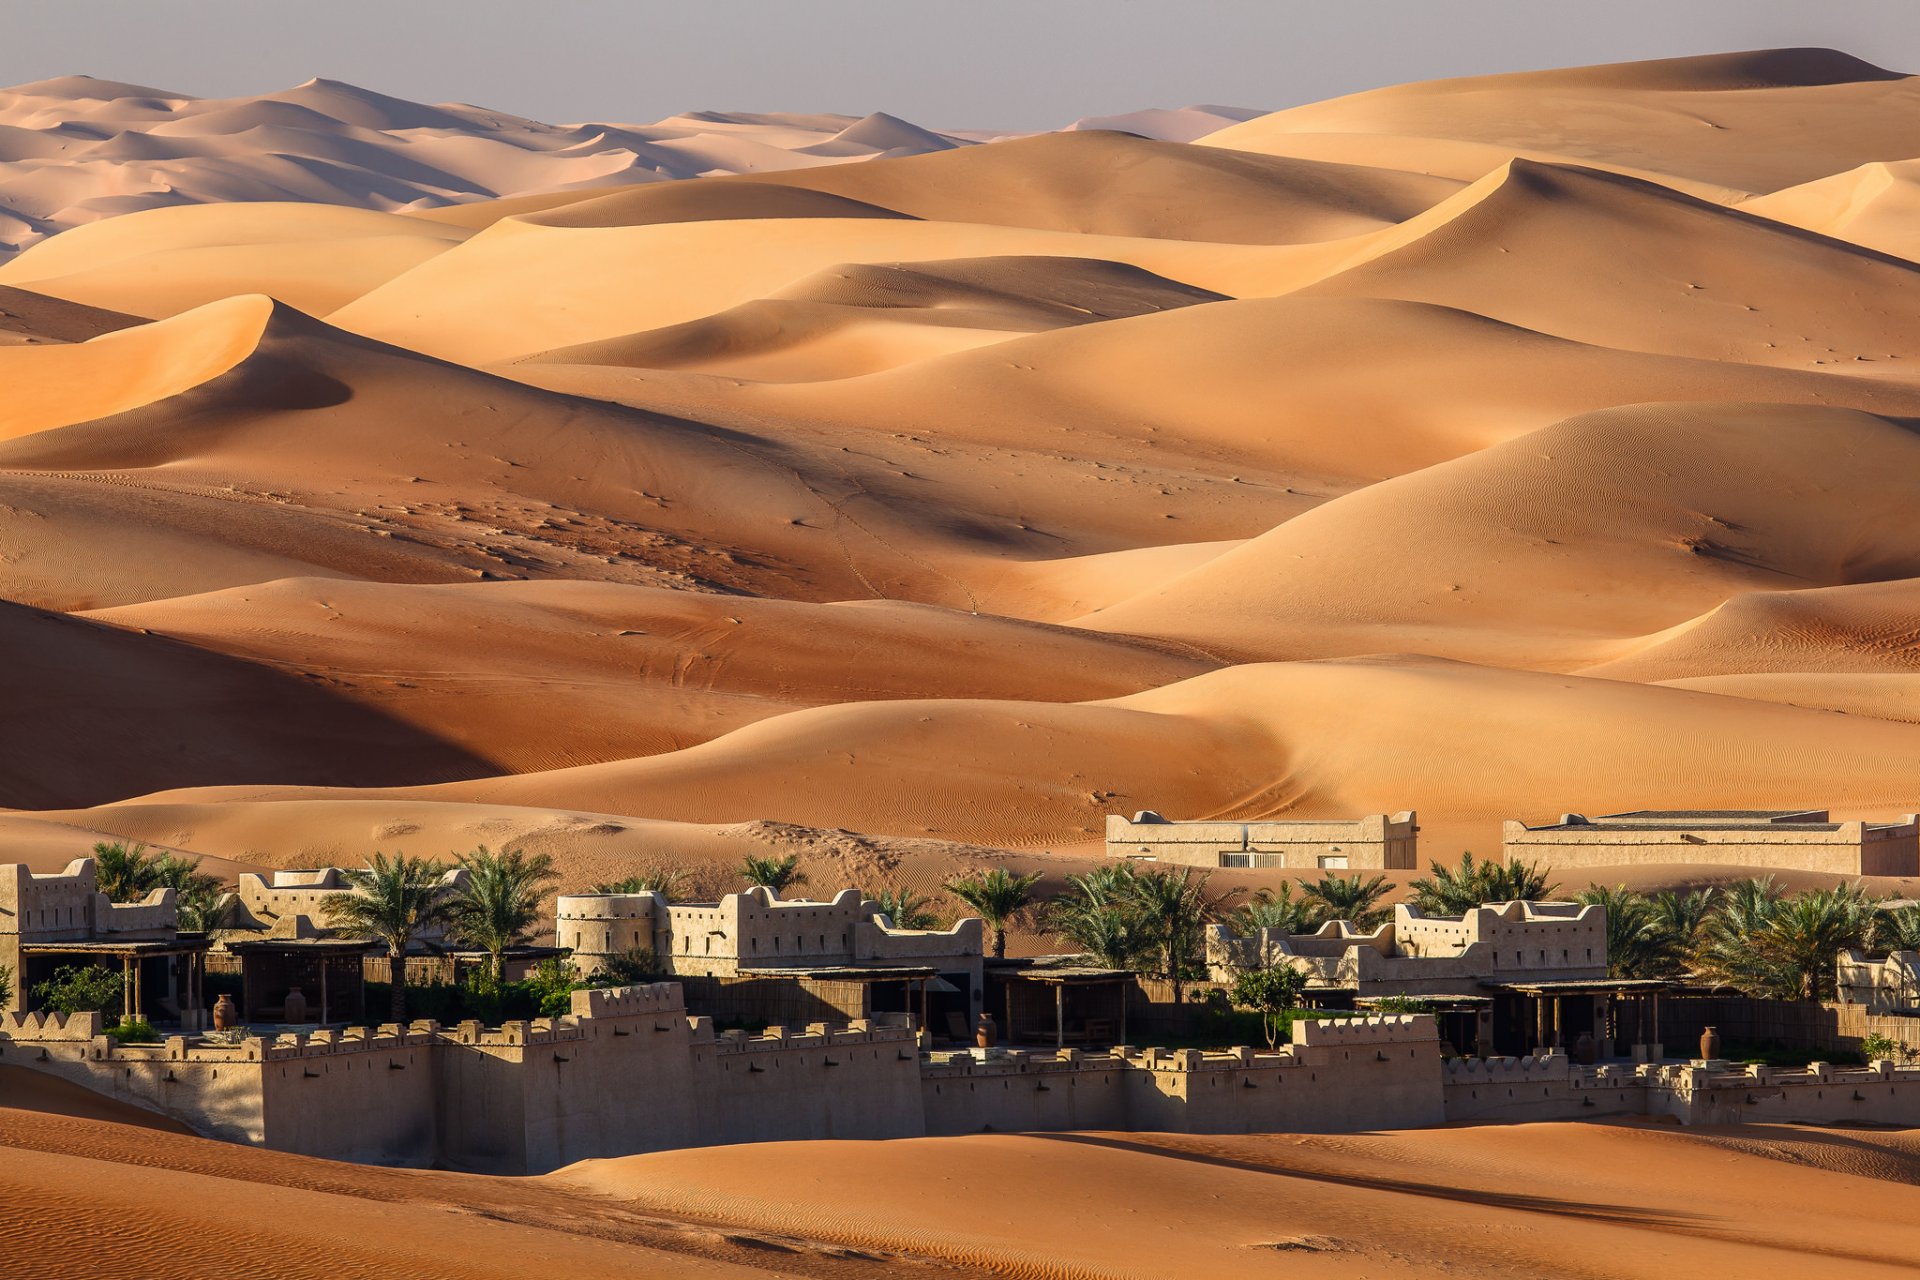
(1851, 849)
(1377, 842)
(1419, 954)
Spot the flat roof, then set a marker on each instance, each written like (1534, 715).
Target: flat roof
(847, 973)
(1580, 986)
(360, 945)
(134, 947)
(1749, 815)
(1072, 968)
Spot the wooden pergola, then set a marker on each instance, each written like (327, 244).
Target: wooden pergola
(333, 966)
(131, 955)
(1548, 1029)
(1058, 980)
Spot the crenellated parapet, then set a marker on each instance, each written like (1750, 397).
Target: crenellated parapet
(51, 1026)
(636, 1001)
(817, 1035)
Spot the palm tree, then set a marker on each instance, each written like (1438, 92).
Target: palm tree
(394, 900)
(999, 896)
(1350, 898)
(1174, 911)
(198, 897)
(1473, 884)
(1678, 918)
(668, 882)
(123, 872)
(777, 874)
(1808, 931)
(1636, 946)
(500, 901)
(906, 909)
(1270, 909)
(1451, 892)
(1897, 929)
(1726, 954)
(1100, 913)
(1518, 881)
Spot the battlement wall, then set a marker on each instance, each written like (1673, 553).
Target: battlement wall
(1544, 1087)
(1373, 1073)
(862, 1081)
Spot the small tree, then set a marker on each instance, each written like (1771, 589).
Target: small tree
(6, 984)
(906, 909)
(1351, 899)
(999, 896)
(777, 874)
(1272, 993)
(394, 900)
(81, 989)
(500, 901)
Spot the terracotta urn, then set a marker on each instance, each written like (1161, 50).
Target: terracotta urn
(294, 1009)
(225, 1016)
(985, 1032)
(1585, 1051)
(1709, 1044)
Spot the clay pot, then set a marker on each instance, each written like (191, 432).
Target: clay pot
(225, 1016)
(1709, 1044)
(985, 1032)
(1585, 1051)
(294, 1008)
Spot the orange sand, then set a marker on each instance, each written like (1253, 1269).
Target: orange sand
(1407, 450)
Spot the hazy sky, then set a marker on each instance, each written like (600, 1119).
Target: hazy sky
(987, 64)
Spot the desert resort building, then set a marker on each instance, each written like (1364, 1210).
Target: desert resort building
(1785, 839)
(1378, 842)
(1504, 1013)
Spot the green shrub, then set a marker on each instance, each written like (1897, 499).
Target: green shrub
(134, 1031)
(81, 989)
(1401, 1004)
(1876, 1047)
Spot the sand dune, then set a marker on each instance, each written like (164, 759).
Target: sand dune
(1867, 629)
(1750, 122)
(1550, 549)
(74, 150)
(1876, 206)
(117, 713)
(1709, 282)
(1331, 737)
(1764, 1198)
(542, 675)
(161, 262)
(925, 496)
(1522, 1200)
(860, 318)
(27, 317)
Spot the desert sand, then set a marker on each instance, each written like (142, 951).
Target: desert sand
(385, 476)
(82, 1178)
(1495, 448)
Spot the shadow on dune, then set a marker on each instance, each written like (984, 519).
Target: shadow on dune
(95, 713)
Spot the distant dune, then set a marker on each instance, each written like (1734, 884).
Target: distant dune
(418, 476)
(75, 150)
